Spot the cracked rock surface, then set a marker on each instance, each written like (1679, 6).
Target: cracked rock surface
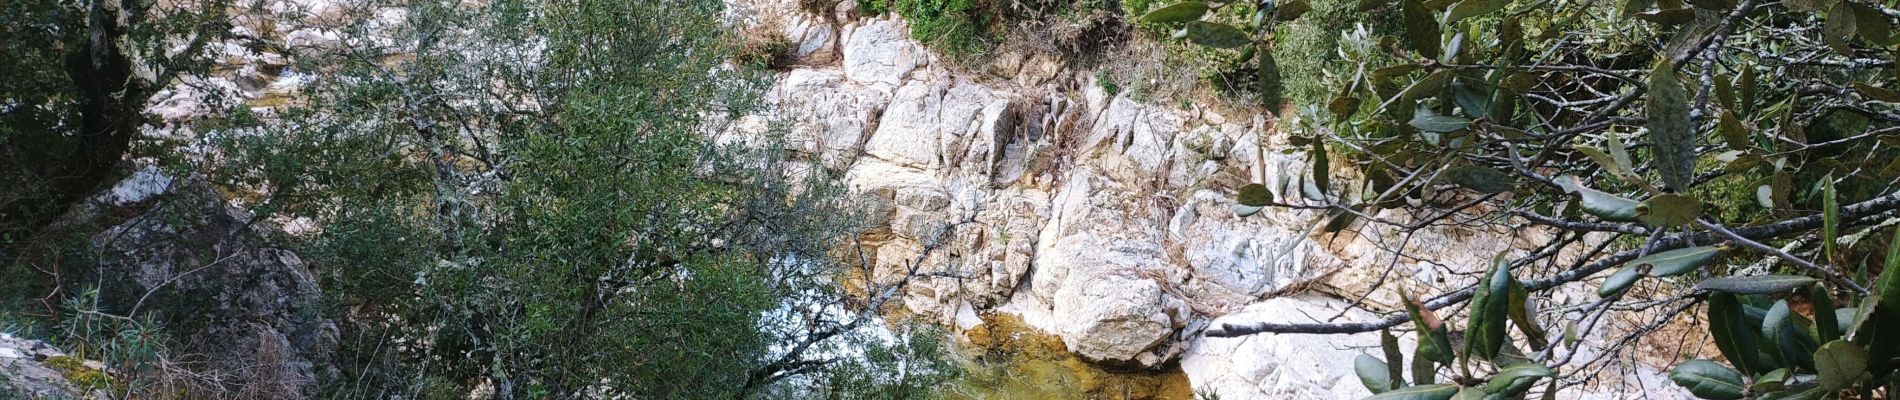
(1098, 217)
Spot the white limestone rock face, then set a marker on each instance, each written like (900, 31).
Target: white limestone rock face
(1108, 307)
(1270, 366)
(1021, 186)
(814, 40)
(880, 53)
(829, 117)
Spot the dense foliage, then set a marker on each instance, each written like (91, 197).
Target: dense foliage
(535, 199)
(1729, 148)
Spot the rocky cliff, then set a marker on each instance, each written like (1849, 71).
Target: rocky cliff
(1025, 187)
(1028, 188)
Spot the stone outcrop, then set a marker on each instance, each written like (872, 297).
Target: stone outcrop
(1109, 213)
(176, 253)
(33, 370)
(1022, 186)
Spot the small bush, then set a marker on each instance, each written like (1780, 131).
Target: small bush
(954, 27)
(817, 7)
(1107, 82)
(772, 52)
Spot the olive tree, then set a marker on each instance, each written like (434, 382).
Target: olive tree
(551, 199)
(1730, 158)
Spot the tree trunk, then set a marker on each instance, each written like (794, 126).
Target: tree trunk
(112, 102)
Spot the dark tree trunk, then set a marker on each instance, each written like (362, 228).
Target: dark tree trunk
(111, 101)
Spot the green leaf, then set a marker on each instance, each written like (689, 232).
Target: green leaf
(1872, 24)
(1734, 134)
(1475, 101)
(1669, 210)
(1746, 83)
(1807, 392)
(1725, 92)
(1267, 84)
(1470, 8)
(1343, 107)
(1839, 364)
(1342, 219)
(1845, 317)
(1521, 315)
(1620, 281)
(1421, 28)
(1791, 341)
(1480, 179)
(1729, 326)
(1175, 13)
(1708, 380)
(1607, 206)
(1610, 163)
(1425, 87)
(1859, 326)
(1440, 391)
(1243, 211)
(1883, 323)
(1469, 393)
(1393, 357)
(1256, 195)
(1291, 10)
(1490, 311)
(1507, 378)
(1742, 162)
(1216, 35)
(1759, 284)
(1434, 342)
(1839, 28)
(1670, 132)
(1322, 167)
(1424, 370)
(1877, 93)
(1426, 121)
(1827, 326)
(1773, 381)
(1372, 373)
(1790, 127)
(1830, 218)
(1678, 261)
(1620, 152)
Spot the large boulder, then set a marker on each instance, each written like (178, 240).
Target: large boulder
(201, 269)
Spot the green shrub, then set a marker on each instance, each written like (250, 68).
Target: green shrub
(1309, 48)
(956, 27)
(1107, 83)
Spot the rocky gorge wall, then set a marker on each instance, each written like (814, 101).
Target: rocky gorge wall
(1027, 188)
(1024, 187)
